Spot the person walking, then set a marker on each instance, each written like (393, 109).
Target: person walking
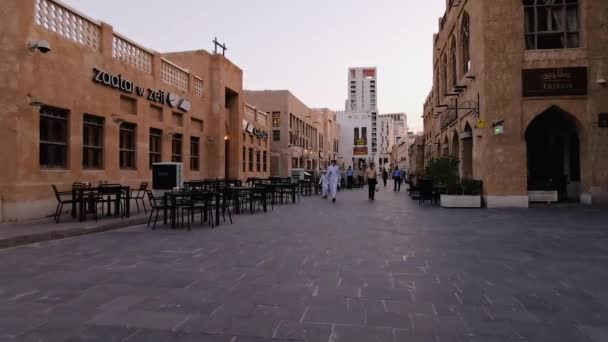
(324, 181)
(333, 172)
(372, 177)
(384, 176)
(397, 179)
(349, 178)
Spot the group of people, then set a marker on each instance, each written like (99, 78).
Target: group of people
(330, 180)
(397, 174)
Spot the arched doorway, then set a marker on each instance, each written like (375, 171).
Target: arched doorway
(445, 147)
(553, 151)
(467, 152)
(455, 148)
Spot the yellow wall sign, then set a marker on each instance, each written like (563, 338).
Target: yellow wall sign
(481, 124)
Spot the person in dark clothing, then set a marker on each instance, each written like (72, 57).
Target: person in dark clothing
(349, 178)
(397, 179)
(371, 175)
(384, 176)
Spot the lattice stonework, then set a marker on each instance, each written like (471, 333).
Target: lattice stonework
(66, 23)
(198, 86)
(131, 54)
(173, 75)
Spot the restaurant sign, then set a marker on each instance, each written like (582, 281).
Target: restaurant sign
(260, 133)
(360, 142)
(360, 151)
(555, 81)
(125, 85)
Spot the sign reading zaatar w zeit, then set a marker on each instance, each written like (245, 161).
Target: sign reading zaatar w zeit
(554, 81)
(127, 86)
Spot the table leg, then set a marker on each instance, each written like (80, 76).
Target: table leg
(81, 213)
(264, 200)
(128, 204)
(165, 208)
(74, 204)
(293, 196)
(217, 209)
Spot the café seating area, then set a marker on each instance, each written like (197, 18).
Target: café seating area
(198, 203)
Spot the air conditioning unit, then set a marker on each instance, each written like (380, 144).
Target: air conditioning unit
(166, 176)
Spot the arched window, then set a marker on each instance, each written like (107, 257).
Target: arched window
(444, 75)
(466, 43)
(551, 24)
(453, 65)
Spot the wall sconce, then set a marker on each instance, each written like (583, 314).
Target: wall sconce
(602, 82)
(471, 77)
(117, 120)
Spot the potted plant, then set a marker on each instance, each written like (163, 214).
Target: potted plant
(456, 193)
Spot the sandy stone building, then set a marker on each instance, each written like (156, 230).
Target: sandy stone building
(255, 154)
(296, 132)
(520, 95)
(80, 102)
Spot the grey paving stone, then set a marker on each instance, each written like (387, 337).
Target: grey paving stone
(301, 271)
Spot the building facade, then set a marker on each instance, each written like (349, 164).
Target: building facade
(255, 153)
(83, 103)
(400, 126)
(386, 141)
(296, 131)
(362, 90)
(520, 97)
(355, 139)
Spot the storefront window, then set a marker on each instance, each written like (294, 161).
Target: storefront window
(176, 148)
(194, 153)
(258, 161)
(53, 137)
(250, 160)
(265, 161)
(127, 145)
(92, 142)
(155, 145)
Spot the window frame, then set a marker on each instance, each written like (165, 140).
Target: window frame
(154, 155)
(127, 129)
(90, 124)
(195, 153)
(177, 154)
(250, 159)
(564, 34)
(53, 114)
(466, 43)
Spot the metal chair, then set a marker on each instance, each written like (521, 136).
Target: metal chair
(140, 195)
(61, 202)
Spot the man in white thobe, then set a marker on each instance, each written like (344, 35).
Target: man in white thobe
(333, 172)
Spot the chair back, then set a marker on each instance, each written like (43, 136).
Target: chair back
(56, 193)
(143, 186)
(151, 199)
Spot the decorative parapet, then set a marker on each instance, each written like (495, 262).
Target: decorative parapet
(132, 54)
(172, 74)
(68, 23)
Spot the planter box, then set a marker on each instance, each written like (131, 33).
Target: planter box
(460, 201)
(542, 196)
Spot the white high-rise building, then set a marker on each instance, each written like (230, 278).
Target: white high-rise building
(362, 90)
(362, 109)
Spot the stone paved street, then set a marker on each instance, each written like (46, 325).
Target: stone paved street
(353, 271)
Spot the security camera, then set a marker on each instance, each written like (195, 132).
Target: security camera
(40, 45)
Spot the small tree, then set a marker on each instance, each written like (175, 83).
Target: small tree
(444, 171)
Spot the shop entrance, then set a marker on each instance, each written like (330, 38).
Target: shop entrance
(553, 152)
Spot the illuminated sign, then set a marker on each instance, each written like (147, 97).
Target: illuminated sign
(127, 86)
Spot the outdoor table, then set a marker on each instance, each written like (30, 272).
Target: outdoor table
(293, 187)
(83, 195)
(171, 201)
(237, 191)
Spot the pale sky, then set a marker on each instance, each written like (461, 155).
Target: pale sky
(304, 46)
